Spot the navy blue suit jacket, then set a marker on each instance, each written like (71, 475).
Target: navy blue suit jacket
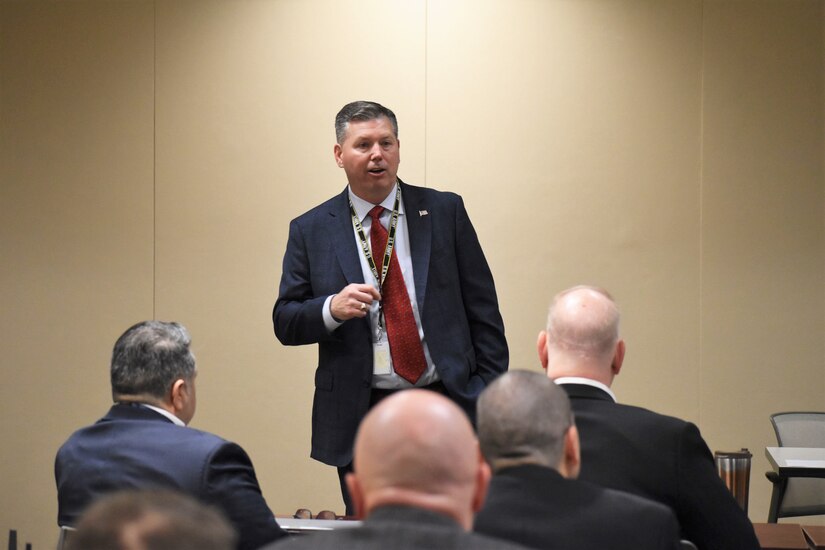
(456, 301)
(535, 506)
(662, 458)
(134, 447)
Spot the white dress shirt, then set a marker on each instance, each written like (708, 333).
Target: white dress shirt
(401, 250)
(165, 413)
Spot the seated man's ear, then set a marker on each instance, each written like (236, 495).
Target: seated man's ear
(572, 453)
(541, 347)
(483, 475)
(179, 394)
(355, 494)
(182, 399)
(618, 358)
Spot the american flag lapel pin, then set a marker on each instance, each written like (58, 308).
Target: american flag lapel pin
(422, 212)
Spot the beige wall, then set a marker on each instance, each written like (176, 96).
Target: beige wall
(152, 155)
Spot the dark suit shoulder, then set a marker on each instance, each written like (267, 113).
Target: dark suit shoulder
(321, 211)
(635, 506)
(141, 435)
(428, 191)
(537, 507)
(135, 447)
(193, 437)
(401, 528)
(532, 486)
(662, 458)
(433, 197)
(590, 400)
(671, 422)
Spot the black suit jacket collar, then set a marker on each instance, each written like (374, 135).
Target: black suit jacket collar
(419, 230)
(532, 473)
(342, 239)
(583, 391)
(411, 514)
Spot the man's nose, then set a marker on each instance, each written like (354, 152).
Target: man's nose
(376, 153)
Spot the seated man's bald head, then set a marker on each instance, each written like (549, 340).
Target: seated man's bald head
(585, 320)
(418, 448)
(582, 336)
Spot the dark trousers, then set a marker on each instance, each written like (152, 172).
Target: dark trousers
(376, 396)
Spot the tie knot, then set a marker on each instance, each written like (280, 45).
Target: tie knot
(375, 213)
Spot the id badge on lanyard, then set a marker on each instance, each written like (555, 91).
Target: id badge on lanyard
(381, 346)
(381, 357)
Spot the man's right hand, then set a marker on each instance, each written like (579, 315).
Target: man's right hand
(354, 300)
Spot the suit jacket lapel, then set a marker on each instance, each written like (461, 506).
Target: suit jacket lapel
(343, 241)
(419, 229)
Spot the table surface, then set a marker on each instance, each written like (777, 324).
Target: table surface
(780, 536)
(817, 535)
(797, 461)
(306, 525)
(772, 536)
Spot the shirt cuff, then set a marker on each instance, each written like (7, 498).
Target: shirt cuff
(329, 320)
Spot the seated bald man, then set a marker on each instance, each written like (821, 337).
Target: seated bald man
(418, 479)
(630, 448)
(527, 435)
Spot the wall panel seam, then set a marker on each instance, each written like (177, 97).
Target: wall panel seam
(426, 82)
(701, 208)
(154, 156)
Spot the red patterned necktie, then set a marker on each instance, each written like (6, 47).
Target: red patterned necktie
(405, 344)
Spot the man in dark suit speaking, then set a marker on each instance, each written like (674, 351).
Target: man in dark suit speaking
(390, 281)
(630, 448)
(143, 441)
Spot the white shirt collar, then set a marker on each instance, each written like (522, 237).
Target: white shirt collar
(362, 207)
(165, 413)
(586, 382)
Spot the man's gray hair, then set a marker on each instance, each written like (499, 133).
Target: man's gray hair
(591, 331)
(522, 419)
(361, 111)
(149, 357)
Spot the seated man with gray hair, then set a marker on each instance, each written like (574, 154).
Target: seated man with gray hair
(144, 442)
(527, 434)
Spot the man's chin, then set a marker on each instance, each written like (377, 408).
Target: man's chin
(374, 190)
(383, 181)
